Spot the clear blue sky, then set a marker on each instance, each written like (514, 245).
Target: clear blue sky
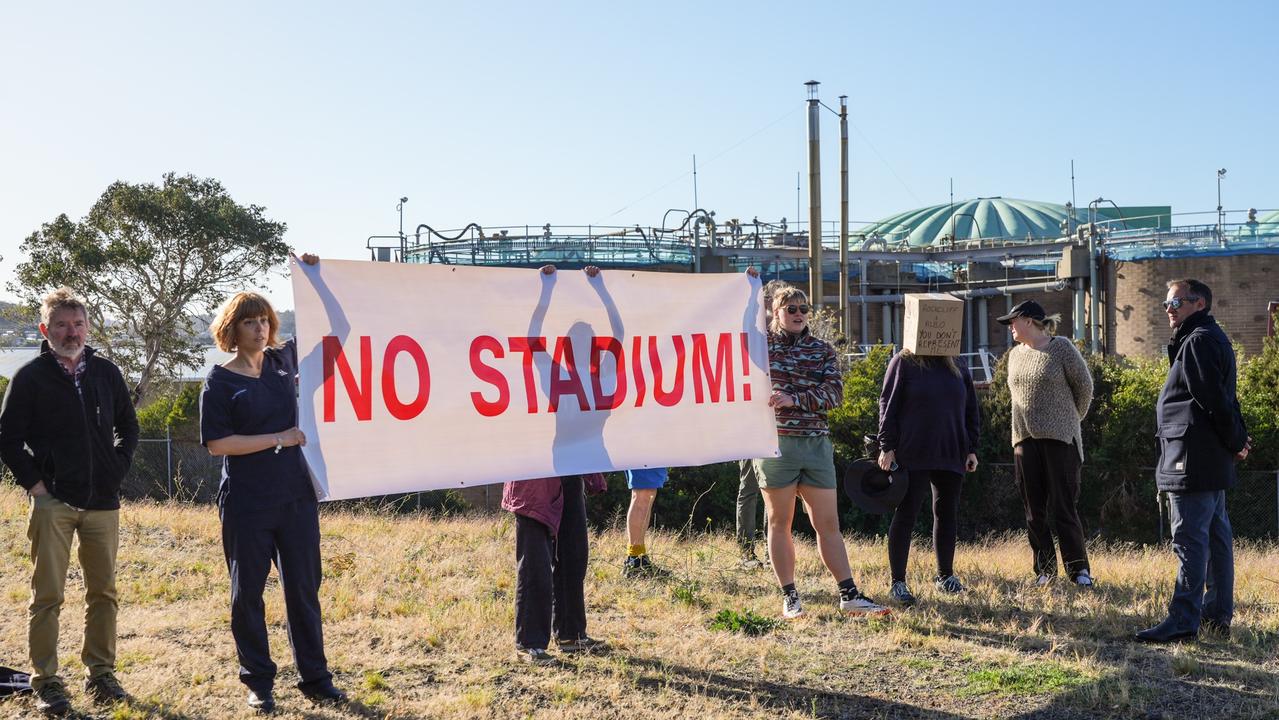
(589, 112)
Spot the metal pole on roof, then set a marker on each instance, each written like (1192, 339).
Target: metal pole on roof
(404, 240)
(1094, 322)
(845, 318)
(814, 197)
(1220, 215)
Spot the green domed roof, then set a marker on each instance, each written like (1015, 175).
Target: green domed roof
(983, 218)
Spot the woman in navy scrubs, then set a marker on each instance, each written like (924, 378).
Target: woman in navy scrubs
(268, 507)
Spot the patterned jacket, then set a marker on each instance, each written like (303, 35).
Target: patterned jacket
(805, 368)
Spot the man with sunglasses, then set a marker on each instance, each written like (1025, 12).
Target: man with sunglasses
(1201, 435)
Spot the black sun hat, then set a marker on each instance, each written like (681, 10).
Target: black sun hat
(873, 489)
(1025, 308)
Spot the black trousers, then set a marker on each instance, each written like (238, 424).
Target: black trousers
(1048, 477)
(946, 487)
(289, 535)
(550, 584)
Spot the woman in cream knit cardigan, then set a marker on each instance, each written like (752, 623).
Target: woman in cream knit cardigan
(1051, 389)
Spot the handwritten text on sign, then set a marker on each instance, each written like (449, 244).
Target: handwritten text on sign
(417, 377)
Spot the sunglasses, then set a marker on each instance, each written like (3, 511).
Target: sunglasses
(801, 309)
(1177, 302)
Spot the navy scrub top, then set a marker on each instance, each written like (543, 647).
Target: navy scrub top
(235, 404)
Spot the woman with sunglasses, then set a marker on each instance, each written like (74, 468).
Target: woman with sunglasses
(806, 385)
(1051, 390)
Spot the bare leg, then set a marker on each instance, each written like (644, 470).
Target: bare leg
(823, 514)
(638, 514)
(779, 507)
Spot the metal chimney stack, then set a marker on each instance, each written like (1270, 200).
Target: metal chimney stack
(814, 198)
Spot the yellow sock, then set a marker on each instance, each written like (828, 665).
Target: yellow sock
(635, 550)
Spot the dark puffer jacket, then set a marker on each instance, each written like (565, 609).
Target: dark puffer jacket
(80, 444)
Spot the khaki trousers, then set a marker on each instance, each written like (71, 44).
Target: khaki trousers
(51, 527)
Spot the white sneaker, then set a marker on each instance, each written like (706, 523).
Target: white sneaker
(859, 604)
(1083, 579)
(791, 606)
(1043, 580)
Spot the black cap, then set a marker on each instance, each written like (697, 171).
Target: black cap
(1025, 308)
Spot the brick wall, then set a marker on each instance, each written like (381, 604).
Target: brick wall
(1242, 287)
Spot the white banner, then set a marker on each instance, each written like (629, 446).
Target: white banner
(418, 377)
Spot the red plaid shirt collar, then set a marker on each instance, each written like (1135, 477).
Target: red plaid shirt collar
(79, 369)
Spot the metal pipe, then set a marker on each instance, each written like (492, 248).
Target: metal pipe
(1007, 290)
(697, 245)
(1008, 309)
(814, 197)
(1079, 309)
(888, 316)
(983, 323)
(845, 317)
(865, 318)
(898, 311)
(1094, 342)
(968, 327)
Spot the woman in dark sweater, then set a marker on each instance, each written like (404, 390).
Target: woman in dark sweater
(928, 426)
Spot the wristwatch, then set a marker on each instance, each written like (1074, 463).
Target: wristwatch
(278, 444)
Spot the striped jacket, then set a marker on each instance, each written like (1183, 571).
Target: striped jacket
(805, 368)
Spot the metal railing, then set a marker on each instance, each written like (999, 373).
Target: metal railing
(980, 363)
(636, 246)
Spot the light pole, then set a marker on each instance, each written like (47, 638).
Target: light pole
(1220, 215)
(399, 207)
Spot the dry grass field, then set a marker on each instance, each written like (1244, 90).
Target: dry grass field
(418, 617)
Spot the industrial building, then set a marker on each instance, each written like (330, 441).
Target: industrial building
(994, 252)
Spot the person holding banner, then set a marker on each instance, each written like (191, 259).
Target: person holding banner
(551, 554)
(268, 507)
(806, 385)
(928, 426)
(748, 483)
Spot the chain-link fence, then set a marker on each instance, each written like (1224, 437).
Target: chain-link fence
(167, 468)
(1110, 507)
(173, 469)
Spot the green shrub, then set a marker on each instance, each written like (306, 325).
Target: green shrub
(175, 410)
(746, 623)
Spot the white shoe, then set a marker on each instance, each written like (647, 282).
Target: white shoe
(791, 606)
(1043, 580)
(1083, 579)
(859, 604)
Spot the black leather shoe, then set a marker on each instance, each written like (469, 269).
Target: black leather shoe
(1166, 632)
(263, 702)
(324, 694)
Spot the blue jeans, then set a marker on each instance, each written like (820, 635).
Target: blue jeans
(1202, 541)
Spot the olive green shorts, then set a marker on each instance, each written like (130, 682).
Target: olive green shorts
(804, 461)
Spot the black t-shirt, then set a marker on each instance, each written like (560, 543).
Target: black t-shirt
(235, 404)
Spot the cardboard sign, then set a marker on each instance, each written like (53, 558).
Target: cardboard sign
(933, 324)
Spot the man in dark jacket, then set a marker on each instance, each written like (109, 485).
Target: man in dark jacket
(1202, 436)
(67, 433)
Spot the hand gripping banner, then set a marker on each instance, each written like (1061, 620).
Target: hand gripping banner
(420, 377)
